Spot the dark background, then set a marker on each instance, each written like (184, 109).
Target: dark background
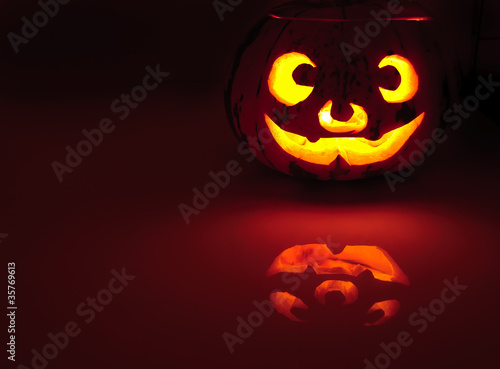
(119, 208)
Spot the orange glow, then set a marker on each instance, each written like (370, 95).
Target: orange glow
(355, 124)
(283, 302)
(417, 19)
(355, 150)
(390, 309)
(352, 261)
(281, 82)
(348, 289)
(409, 79)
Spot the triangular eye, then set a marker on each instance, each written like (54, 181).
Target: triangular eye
(281, 82)
(409, 79)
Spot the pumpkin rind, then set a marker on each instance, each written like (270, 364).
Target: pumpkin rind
(360, 82)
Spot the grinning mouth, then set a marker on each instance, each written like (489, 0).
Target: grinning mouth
(354, 150)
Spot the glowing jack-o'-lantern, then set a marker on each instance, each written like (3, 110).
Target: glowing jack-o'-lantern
(308, 105)
(364, 280)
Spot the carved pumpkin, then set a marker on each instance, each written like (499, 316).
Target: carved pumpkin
(308, 105)
(361, 284)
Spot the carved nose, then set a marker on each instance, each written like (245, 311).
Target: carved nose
(355, 124)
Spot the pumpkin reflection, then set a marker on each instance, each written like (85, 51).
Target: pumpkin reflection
(362, 283)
